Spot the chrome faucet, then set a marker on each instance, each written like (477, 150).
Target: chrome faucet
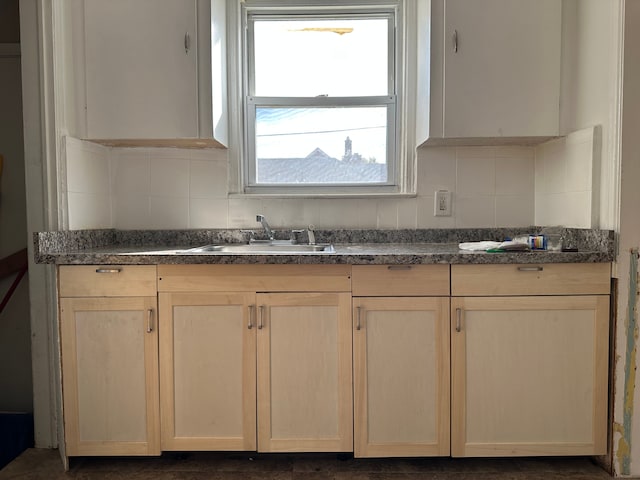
(265, 225)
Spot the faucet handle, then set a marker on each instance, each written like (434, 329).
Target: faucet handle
(312, 235)
(293, 236)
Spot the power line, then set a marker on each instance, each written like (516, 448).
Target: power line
(318, 132)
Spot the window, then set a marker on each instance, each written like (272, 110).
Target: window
(322, 97)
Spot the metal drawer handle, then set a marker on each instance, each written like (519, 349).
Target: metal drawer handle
(252, 312)
(530, 269)
(187, 42)
(150, 320)
(108, 270)
(454, 39)
(458, 319)
(399, 267)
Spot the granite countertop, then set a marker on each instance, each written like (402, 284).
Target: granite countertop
(356, 247)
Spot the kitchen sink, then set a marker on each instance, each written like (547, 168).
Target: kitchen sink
(264, 248)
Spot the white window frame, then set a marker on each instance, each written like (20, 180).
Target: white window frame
(401, 149)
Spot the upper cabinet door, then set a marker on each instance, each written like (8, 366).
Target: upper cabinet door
(141, 69)
(502, 71)
(494, 70)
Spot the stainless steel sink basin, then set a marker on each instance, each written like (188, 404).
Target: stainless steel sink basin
(264, 248)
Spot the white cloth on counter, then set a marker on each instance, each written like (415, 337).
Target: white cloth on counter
(483, 246)
(478, 246)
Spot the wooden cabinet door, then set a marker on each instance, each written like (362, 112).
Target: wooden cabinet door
(503, 77)
(110, 375)
(401, 376)
(304, 372)
(141, 80)
(208, 371)
(529, 375)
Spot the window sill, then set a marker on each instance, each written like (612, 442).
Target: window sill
(359, 195)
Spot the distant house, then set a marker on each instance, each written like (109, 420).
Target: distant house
(319, 167)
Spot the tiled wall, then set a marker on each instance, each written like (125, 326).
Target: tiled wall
(567, 179)
(173, 188)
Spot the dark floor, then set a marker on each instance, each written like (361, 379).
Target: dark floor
(46, 465)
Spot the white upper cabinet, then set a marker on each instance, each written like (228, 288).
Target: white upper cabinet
(488, 70)
(147, 72)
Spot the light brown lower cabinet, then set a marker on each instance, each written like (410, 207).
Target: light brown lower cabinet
(514, 363)
(109, 352)
(401, 376)
(217, 349)
(529, 375)
(304, 372)
(208, 371)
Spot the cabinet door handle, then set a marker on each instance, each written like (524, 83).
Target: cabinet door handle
(454, 38)
(261, 319)
(108, 270)
(187, 42)
(150, 320)
(458, 319)
(252, 313)
(531, 269)
(358, 314)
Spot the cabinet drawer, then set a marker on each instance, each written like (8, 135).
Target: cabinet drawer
(400, 280)
(532, 279)
(107, 280)
(254, 278)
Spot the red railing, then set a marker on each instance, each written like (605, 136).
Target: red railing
(16, 262)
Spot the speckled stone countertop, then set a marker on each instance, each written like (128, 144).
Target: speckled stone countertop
(356, 247)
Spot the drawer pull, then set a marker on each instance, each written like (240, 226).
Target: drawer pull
(399, 267)
(359, 311)
(530, 269)
(150, 320)
(458, 319)
(252, 312)
(108, 270)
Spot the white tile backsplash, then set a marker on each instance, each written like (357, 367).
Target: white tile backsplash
(168, 212)
(514, 210)
(475, 211)
(88, 210)
(131, 211)
(182, 188)
(87, 167)
(515, 176)
(169, 175)
(475, 175)
(130, 172)
(566, 188)
(205, 212)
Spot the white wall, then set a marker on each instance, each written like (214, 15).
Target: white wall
(589, 96)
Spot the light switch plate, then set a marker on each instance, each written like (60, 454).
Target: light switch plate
(442, 203)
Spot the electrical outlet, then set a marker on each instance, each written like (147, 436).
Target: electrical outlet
(442, 203)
